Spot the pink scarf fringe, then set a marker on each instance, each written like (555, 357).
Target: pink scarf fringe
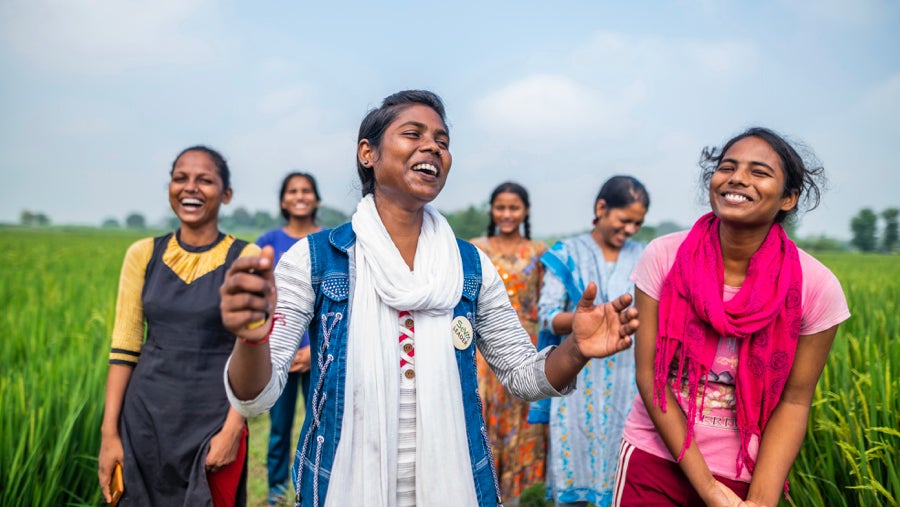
(764, 316)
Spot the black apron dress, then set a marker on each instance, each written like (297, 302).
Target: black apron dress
(175, 401)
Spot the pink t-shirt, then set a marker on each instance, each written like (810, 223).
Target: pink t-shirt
(715, 429)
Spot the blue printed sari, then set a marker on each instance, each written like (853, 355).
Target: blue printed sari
(586, 427)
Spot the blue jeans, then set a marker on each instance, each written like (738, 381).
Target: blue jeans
(281, 415)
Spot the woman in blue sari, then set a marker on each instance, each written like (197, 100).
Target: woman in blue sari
(586, 427)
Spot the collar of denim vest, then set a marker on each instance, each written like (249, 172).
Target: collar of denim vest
(342, 237)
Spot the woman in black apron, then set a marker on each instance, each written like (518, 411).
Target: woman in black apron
(167, 420)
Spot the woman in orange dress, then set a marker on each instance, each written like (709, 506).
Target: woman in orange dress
(519, 448)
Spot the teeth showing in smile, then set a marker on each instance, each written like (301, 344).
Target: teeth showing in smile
(735, 197)
(191, 202)
(426, 168)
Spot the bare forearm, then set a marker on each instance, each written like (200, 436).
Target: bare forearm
(671, 424)
(563, 364)
(234, 423)
(249, 370)
(672, 428)
(777, 451)
(116, 384)
(562, 323)
(786, 427)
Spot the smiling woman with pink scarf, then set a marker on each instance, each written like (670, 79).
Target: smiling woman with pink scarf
(736, 326)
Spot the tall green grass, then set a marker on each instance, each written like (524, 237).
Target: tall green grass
(57, 295)
(57, 292)
(851, 455)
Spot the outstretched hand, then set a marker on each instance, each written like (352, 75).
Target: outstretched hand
(602, 330)
(597, 331)
(248, 295)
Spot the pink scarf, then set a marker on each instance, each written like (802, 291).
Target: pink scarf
(764, 316)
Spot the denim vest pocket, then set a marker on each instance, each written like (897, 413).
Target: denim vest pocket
(336, 286)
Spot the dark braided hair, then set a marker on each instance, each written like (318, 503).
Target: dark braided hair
(512, 188)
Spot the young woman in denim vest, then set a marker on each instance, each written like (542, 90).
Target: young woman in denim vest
(393, 303)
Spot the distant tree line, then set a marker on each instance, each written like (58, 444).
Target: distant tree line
(33, 219)
(865, 230)
(240, 218)
(468, 223)
(472, 222)
(133, 220)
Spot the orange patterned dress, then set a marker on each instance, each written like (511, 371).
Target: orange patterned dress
(519, 448)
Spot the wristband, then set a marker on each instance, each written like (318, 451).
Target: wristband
(254, 343)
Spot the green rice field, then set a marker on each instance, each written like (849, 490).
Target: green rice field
(57, 295)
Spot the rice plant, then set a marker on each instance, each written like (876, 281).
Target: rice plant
(851, 454)
(57, 293)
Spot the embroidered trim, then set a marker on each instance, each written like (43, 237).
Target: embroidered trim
(317, 404)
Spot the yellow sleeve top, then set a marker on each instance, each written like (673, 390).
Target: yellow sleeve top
(129, 330)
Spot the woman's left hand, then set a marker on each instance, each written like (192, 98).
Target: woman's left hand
(223, 449)
(602, 330)
(301, 361)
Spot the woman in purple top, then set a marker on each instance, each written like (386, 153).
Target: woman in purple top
(299, 199)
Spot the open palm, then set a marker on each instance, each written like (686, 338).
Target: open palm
(602, 330)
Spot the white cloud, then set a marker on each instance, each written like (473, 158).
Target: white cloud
(620, 59)
(613, 105)
(719, 59)
(107, 36)
(553, 106)
(537, 104)
(294, 132)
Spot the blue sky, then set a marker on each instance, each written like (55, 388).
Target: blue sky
(98, 96)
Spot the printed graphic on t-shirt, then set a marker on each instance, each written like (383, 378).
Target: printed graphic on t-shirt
(718, 395)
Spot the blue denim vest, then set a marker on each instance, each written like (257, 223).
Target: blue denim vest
(328, 338)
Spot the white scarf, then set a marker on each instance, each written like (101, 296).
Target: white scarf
(365, 466)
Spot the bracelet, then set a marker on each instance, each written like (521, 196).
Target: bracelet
(254, 343)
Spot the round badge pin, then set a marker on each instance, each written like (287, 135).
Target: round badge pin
(462, 333)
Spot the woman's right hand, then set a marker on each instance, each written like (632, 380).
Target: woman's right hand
(720, 495)
(248, 295)
(111, 452)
